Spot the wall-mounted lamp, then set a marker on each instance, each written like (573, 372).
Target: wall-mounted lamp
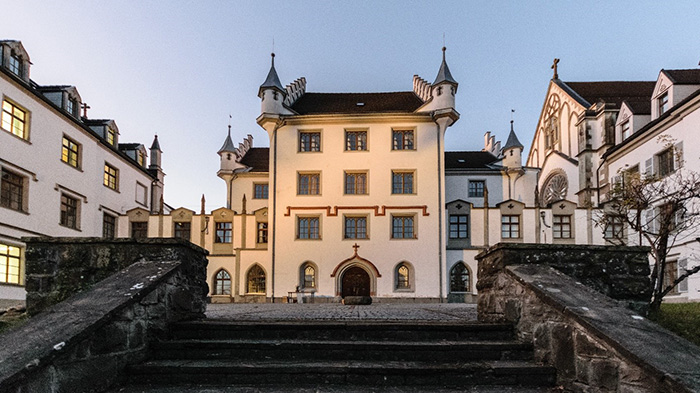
(542, 215)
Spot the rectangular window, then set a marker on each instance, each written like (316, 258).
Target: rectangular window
(670, 275)
(401, 182)
(403, 140)
(141, 194)
(476, 188)
(111, 177)
(625, 130)
(402, 227)
(9, 264)
(614, 228)
(111, 136)
(561, 226)
(260, 190)
(70, 152)
(356, 183)
(356, 140)
(510, 227)
(459, 226)
(262, 232)
(356, 227)
(140, 158)
(665, 160)
(69, 211)
(663, 103)
(12, 191)
(309, 141)
(308, 228)
(309, 184)
(109, 225)
(14, 120)
(139, 230)
(223, 232)
(182, 230)
(16, 65)
(72, 107)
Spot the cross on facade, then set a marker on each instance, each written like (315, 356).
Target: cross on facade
(355, 246)
(554, 67)
(84, 107)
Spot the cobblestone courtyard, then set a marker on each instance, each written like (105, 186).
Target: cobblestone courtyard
(444, 312)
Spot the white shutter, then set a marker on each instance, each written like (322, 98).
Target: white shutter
(649, 167)
(678, 155)
(682, 266)
(650, 221)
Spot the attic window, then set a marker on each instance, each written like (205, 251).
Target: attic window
(360, 104)
(15, 64)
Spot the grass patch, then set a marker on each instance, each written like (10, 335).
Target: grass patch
(680, 318)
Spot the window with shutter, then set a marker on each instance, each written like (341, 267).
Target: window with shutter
(649, 167)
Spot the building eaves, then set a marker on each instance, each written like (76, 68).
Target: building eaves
(684, 77)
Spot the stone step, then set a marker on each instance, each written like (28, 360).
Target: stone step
(329, 389)
(370, 373)
(349, 331)
(342, 350)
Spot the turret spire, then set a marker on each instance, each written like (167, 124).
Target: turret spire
(444, 74)
(272, 80)
(228, 146)
(512, 141)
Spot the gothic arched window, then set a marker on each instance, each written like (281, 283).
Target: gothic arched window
(222, 283)
(256, 280)
(555, 188)
(308, 276)
(403, 276)
(459, 278)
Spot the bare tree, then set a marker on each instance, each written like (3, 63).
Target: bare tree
(660, 208)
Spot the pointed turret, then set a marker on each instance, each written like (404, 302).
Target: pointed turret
(272, 81)
(272, 93)
(228, 146)
(156, 169)
(512, 151)
(444, 88)
(444, 74)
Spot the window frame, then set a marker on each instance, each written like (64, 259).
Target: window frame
(312, 145)
(220, 287)
(70, 213)
(625, 128)
(223, 232)
(139, 228)
(356, 231)
(109, 228)
(110, 136)
(9, 256)
(347, 175)
(559, 227)
(616, 224)
(261, 233)
(71, 152)
(404, 283)
(405, 232)
(403, 139)
(476, 192)
(14, 119)
(264, 189)
(14, 191)
(309, 231)
(458, 226)
(312, 189)
(467, 287)
(182, 230)
(261, 280)
(507, 227)
(143, 187)
(360, 142)
(401, 174)
(14, 64)
(110, 177)
(306, 284)
(665, 161)
(663, 103)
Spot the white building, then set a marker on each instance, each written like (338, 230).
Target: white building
(62, 173)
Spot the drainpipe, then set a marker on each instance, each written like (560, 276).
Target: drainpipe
(273, 238)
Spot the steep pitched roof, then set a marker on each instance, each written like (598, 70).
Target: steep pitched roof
(155, 144)
(468, 159)
(257, 158)
(642, 107)
(320, 103)
(444, 74)
(228, 146)
(611, 92)
(512, 139)
(684, 77)
(272, 79)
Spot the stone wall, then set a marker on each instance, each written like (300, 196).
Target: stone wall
(60, 267)
(619, 272)
(595, 342)
(83, 343)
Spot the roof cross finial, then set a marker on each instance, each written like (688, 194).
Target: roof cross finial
(512, 111)
(229, 124)
(554, 67)
(84, 107)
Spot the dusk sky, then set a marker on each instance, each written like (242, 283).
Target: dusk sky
(180, 68)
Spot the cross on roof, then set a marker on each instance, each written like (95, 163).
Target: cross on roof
(85, 107)
(554, 67)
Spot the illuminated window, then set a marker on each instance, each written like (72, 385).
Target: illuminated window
(69, 211)
(308, 228)
(309, 141)
(401, 182)
(223, 232)
(111, 136)
(111, 177)
(70, 152)
(182, 230)
(260, 191)
(356, 183)
(356, 140)
(14, 120)
(403, 140)
(403, 278)
(256, 280)
(140, 158)
(356, 227)
(309, 184)
(402, 227)
(222, 283)
(12, 191)
(10, 264)
(510, 227)
(309, 277)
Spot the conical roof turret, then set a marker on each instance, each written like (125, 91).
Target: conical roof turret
(228, 146)
(155, 144)
(272, 81)
(512, 139)
(444, 74)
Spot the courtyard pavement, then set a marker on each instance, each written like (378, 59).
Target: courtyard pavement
(378, 312)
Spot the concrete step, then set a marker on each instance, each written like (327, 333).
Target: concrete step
(342, 350)
(369, 373)
(348, 331)
(329, 389)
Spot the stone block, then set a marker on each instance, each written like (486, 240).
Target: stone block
(587, 346)
(604, 374)
(542, 342)
(512, 310)
(110, 338)
(137, 334)
(563, 357)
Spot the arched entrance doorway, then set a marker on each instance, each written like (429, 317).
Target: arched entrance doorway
(355, 282)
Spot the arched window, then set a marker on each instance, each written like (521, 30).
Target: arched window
(403, 276)
(222, 283)
(308, 276)
(256, 280)
(459, 278)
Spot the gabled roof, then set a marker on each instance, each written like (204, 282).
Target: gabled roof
(258, 159)
(326, 103)
(468, 159)
(684, 77)
(610, 92)
(642, 107)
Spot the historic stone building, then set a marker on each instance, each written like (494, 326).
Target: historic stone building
(63, 174)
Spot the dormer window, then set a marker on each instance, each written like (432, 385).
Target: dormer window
(625, 130)
(15, 64)
(72, 106)
(141, 158)
(111, 136)
(663, 103)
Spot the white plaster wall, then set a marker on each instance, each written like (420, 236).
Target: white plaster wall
(243, 185)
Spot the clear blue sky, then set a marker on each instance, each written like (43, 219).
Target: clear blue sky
(179, 68)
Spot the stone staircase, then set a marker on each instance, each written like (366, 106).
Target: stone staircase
(223, 356)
